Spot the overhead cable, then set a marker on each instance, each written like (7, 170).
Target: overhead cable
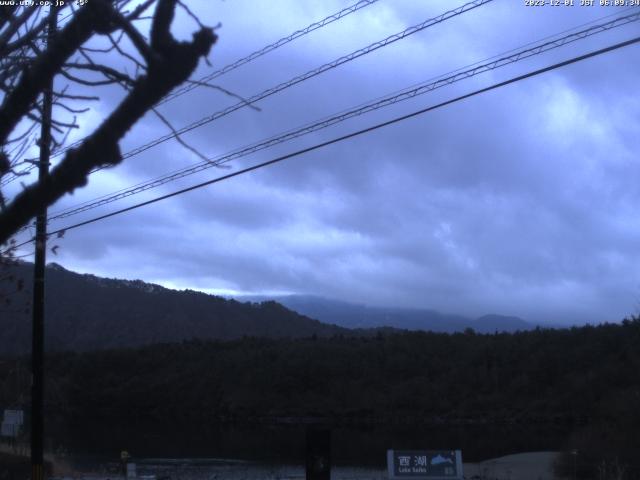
(232, 66)
(337, 118)
(351, 135)
(298, 79)
(269, 48)
(310, 74)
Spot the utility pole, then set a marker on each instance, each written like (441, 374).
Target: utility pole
(37, 346)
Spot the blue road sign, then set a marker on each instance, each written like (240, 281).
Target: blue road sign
(424, 464)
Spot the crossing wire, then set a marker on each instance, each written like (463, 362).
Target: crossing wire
(311, 74)
(301, 78)
(269, 48)
(211, 162)
(350, 135)
(232, 66)
(361, 110)
(297, 153)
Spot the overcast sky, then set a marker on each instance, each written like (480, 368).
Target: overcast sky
(522, 201)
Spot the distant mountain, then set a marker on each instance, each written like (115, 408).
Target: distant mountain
(85, 312)
(501, 323)
(351, 315)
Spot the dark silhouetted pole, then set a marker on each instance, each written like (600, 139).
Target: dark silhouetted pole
(37, 346)
(318, 455)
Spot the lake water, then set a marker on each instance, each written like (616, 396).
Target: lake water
(234, 471)
(278, 452)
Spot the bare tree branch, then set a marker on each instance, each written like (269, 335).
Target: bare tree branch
(169, 63)
(93, 17)
(178, 137)
(14, 25)
(226, 92)
(140, 9)
(31, 35)
(136, 38)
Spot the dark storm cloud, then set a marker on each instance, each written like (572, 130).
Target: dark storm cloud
(521, 201)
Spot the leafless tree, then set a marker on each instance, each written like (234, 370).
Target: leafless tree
(88, 51)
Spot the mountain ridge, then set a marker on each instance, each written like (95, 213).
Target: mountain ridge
(358, 316)
(86, 312)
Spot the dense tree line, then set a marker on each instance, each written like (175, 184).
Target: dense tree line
(585, 376)
(574, 375)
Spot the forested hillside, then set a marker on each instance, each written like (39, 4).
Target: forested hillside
(585, 378)
(85, 312)
(543, 375)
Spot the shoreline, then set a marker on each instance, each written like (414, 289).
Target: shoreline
(523, 466)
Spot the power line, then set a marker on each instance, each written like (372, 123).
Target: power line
(232, 66)
(310, 74)
(269, 48)
(212, 162)
(555, 66)
(305, 76)
(295, 80)
(352, 135)
(337, 118)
